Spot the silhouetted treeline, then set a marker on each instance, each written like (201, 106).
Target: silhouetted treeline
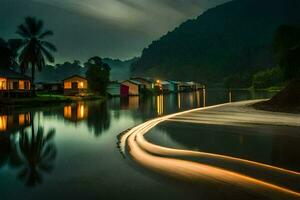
(120, 70)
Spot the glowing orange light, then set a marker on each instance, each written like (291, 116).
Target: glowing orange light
(3, 84)
(68, 112)
(3, 123)
(21, 119)
(81, 85)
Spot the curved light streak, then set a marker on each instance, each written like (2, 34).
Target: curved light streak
(140, 150)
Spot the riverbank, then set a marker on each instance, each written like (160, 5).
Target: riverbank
(44, 100)
(287, 100)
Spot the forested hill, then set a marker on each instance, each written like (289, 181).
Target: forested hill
(232, 38)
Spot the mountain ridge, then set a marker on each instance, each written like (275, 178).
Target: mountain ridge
(235, 37)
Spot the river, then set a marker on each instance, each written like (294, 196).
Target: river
(70, 151)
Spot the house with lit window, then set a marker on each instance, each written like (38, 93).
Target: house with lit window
(75, 85)
(148, 82)
(14, 84)
(131, 88)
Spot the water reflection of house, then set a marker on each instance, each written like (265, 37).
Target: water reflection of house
(13, 84)
(130, 103)
(75, 85)
(12, 122)
(190, 86)
(76, 112)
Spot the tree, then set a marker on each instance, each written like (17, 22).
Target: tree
(287, 50)
(97, 74)
(267, 78)
(8, 53)
(34, 49)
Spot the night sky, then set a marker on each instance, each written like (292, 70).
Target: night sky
(107, 28)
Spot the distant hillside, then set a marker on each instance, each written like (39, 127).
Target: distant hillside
(233, 38)
(120, 70)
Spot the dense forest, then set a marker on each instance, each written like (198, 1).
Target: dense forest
(228, 45)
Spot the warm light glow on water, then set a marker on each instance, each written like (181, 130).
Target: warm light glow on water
(3, 122)
(160, 104)
(82, 111)
(198, 98)
(76, 112)
(68, 112)
(22, 119)
(179, 101)
(204, 97)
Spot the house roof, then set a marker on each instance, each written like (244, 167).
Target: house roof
(75, 75)
(143, 79)
(165, 83)
(133, 82)
(8, 73)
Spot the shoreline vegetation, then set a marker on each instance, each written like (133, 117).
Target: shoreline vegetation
(287, 100)
(46, 99)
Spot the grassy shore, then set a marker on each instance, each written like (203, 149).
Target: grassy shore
(45, 99)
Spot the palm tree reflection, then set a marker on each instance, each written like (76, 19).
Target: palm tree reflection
(36, 154)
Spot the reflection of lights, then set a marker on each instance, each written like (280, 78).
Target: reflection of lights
(27, 118)
(160, 104)
(21, 119)
(81, 111)
(133, 102)
(76, 112)
(191, 99)
(204, 97)
(149, 155)
(230, 96)
(68, 112)
(198, 98)
(3, 123)
(179, 100)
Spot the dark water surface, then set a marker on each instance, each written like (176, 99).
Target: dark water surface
(70, 151)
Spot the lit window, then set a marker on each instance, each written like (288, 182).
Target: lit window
(67, 85)
(2, 84)
(81, 85)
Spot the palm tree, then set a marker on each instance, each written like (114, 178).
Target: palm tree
(8, 53)
(36, 155)
(34, 49)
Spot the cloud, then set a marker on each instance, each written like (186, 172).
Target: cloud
(108, 28)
